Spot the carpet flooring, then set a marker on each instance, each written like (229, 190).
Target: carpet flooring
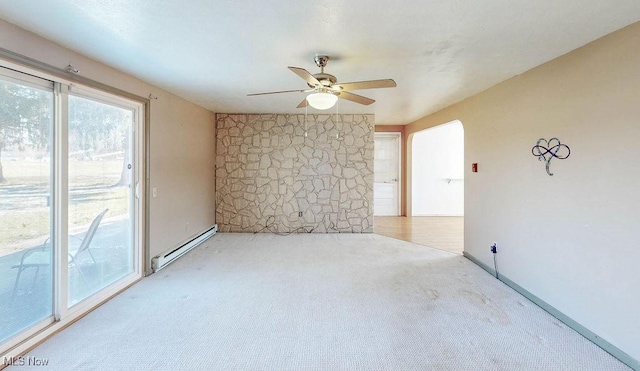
(320, 302)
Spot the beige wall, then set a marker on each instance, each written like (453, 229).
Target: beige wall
(571, 239)
(182, 142)
(268, 171)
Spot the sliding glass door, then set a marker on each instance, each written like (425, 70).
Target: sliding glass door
(70, 204)
(101, 249)
(26, 183)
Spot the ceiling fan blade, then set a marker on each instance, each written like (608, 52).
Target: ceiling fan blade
(277, 92)
(312, 81)
(355, 98)
(373, 84)
(302, 104)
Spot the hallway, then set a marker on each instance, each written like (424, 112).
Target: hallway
(440, 232)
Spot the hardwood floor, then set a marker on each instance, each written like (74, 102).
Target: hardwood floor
(440, 232)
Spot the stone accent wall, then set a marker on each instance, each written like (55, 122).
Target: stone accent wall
(272, 168)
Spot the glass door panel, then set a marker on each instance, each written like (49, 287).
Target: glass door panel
(100, 211)
(26, 284)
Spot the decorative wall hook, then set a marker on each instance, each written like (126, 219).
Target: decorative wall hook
(548, 149)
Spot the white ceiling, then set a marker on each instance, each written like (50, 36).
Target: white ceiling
(215, 52)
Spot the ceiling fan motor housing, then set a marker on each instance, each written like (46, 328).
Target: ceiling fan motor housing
(325, 79)
(321, 60)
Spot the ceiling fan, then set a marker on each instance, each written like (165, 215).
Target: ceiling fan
(325, 88)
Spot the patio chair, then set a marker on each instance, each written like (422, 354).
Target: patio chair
(40, 257)
(85, 244)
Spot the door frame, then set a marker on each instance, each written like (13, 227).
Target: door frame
(63, 315)
(136, 201)
(398, 136)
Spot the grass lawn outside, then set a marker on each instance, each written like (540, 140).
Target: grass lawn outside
(24, 198)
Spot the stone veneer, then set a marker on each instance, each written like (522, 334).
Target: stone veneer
(268, 171)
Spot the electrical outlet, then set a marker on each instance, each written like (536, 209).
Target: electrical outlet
(300, 214)
(154, 192)
(186, 227)
(494, 248)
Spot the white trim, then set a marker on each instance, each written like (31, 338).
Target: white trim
(61, 201)
(103, 97)
(138, 142)
(40, 84)
(391, 134)
(72, 315)
(28, 333)
(136, 204)
(399, 173)
(62, 313)
(88, 303)
(20, 68)
(24, 79)
(398, 136)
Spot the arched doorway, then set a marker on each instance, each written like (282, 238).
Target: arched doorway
(437, 180)
(436, 187)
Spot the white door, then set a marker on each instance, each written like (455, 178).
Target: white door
(386, 170)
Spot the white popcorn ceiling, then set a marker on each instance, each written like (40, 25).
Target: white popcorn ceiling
(214, 53)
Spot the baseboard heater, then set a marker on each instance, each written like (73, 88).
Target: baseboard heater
(169, 256)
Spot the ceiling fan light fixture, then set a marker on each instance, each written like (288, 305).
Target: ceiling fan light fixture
(322, 100)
